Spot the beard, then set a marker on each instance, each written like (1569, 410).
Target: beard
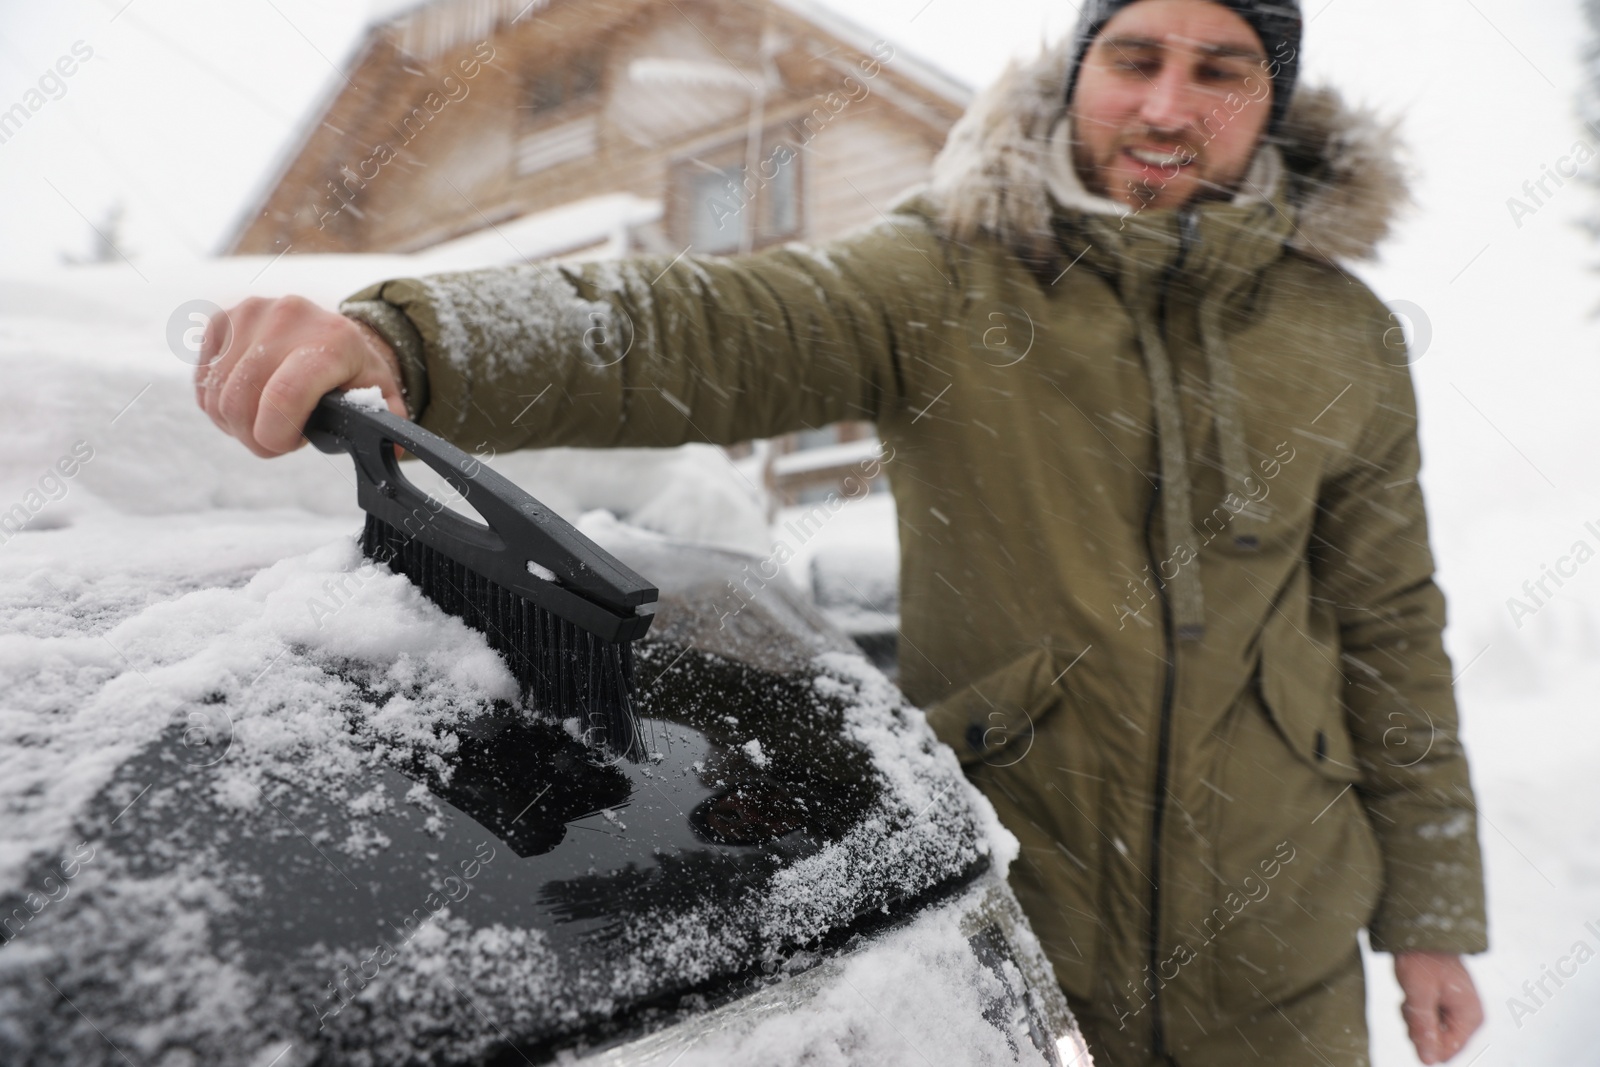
(1145, 191)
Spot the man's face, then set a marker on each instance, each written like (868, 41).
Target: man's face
(1170, 102)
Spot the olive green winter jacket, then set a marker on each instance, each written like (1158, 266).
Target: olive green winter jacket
(1218, 775)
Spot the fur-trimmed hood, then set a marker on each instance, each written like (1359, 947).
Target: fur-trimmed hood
(1347, 183)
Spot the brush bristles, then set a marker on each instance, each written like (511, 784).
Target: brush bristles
(562, 668)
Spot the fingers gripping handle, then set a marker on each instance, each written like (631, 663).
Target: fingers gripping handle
(593, 588)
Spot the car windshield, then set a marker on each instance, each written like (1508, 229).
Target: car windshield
(371, 851)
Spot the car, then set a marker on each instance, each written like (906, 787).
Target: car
(294, 814)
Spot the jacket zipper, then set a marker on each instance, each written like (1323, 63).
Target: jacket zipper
(1169, 686)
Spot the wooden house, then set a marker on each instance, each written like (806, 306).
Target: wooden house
(521, 129)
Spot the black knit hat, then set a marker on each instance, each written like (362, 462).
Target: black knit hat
(1276, 22)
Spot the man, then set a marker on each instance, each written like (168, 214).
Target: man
(1166, 581)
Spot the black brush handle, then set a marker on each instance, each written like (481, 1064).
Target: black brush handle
(593, 588)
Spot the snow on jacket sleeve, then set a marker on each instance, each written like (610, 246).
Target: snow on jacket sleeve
(1372, 561)
(656, 351)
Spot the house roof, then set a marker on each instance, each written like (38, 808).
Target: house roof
(857, 36)
(433, 27)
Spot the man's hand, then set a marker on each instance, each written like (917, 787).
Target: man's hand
(263, 369)
(1441, 1008)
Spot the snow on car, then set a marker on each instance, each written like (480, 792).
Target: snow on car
(266, 804)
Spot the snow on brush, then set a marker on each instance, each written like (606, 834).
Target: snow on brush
(370, 398)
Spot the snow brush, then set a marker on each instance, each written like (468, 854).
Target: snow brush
(562, 610)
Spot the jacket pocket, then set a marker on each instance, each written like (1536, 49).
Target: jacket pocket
(1025, 742)
(995, 719)
(1297, 860)
(1298, 682)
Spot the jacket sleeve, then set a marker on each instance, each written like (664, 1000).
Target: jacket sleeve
(657, 351)
(1371, 561)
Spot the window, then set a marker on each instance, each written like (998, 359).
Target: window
(586, 75)
(548, 90)
(719, 198)
(716, 209)
(782, 215)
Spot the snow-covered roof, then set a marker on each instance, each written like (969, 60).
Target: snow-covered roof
(859, 37)
(433, 27)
